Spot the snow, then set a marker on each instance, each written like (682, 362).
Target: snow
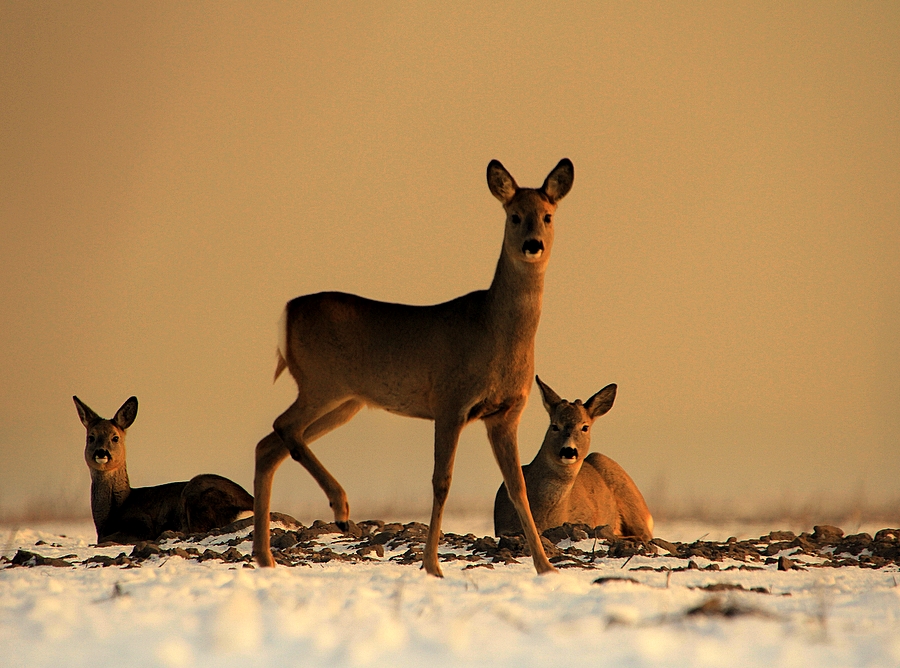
(172, 611)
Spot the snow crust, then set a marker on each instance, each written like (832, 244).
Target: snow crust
(172, 611)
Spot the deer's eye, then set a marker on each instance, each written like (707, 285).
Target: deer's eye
(515, 219)
(91, 438)
(115, 439)
(584, 428)
(547, 218)
(554, 427)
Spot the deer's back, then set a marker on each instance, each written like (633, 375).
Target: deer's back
(404, 358)
(211, 501)
(145, 514)
(632, 511)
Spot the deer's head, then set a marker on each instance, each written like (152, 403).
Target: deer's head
(104, 448)
(568, 438)
(529, 211)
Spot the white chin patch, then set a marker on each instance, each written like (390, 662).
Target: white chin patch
(534, 256)
(101, 460)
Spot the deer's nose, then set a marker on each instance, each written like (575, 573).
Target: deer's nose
(533, 247)
(568, 453)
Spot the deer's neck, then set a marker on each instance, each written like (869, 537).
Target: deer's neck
(108, 492)
(550, 483)
(515, 298)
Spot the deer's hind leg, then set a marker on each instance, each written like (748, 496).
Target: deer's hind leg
(337, 498)
(299, 425)
(270, 452)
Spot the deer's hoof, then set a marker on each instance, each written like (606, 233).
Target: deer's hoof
(265, 560)
(433, 569)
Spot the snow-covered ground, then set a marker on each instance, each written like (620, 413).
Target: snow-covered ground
(173, 611)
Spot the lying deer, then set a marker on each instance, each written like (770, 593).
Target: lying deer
(468, 359)
(126, 514)
(566, 484)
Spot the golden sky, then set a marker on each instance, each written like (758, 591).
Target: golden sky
(172, 173)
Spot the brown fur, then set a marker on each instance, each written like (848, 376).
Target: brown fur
(581, 488)
(467, 359)
(126, 514)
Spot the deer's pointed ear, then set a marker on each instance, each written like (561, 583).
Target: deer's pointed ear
(126, 414)
(559, 182)
(85, 414)
(502, 184)
(550, 398)
(600, 403)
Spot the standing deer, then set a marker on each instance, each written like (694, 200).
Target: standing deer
(471, 358)
(126, 514)
(566, 484)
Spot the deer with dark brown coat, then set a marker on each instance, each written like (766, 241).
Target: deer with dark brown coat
(468, 359)
(126, 514)
(566, 484)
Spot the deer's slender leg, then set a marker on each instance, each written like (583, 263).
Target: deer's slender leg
(502, 434)
(340, 415)
(270, 452)
(298, 427)
(446, 438)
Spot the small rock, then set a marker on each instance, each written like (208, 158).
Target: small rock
(485, 544)
(382, 537)
(666, 545)
(145, 549)
(25, 558)
(556, 534)
(101, 559)
(888, 536)
(285, 539)
(549, 548)
(782, 535)
(826, 532)
(232, 555)
(607, 580)
(170, 535)
(604, 531)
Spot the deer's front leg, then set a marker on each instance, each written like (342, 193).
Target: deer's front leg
(502, 434)
(446, 438)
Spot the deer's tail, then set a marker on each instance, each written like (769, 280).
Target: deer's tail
(281, 353)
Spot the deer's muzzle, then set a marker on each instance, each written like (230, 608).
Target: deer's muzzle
(102, 456)
(568, 454)
(533, 248)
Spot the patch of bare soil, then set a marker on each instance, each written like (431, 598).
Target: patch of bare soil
(568, 546)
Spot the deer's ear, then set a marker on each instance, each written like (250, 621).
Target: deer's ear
(126, 414)
(559, 182)
(600, 403)
(502, 184)
(85, 414)
(550, 398)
